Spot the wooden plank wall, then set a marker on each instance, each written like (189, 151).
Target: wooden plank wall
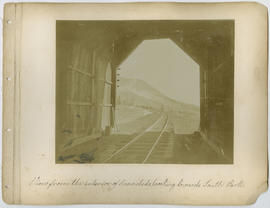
(76, 91)
(83, 74)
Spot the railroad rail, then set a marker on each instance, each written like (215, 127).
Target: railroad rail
(142, 145)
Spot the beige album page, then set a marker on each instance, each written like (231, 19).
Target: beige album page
(150, 103)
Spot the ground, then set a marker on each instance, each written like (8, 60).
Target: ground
(151, 137)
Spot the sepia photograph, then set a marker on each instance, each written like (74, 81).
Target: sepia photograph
(156, 92)
(135, 103)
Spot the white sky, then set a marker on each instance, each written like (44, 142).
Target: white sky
(162, 64)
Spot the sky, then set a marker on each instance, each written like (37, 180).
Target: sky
(166, 67)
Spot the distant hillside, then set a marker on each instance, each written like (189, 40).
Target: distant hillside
(137, 92)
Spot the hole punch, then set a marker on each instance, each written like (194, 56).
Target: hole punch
(7, 186)
(9, 21)
(8, 130)
(8, 78)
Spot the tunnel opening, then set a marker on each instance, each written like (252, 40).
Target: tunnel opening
(157, 78)
(93, 63)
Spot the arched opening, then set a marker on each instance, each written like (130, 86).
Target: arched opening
(158, 77)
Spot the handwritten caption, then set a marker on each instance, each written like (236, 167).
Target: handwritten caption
(153, 183)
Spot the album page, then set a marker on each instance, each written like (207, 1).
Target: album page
(135, 103)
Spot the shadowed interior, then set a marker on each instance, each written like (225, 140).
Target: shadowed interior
(86, 49)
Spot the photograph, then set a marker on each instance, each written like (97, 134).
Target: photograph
(135, 103)
(144, 91)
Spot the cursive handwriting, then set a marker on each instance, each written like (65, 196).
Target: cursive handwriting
(146, 183)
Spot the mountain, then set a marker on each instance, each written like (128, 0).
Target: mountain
(137, 92)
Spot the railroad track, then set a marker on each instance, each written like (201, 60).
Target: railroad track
(141, 147)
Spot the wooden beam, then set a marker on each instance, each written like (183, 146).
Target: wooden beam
(106, 105)
(106, 81)
(80, 103)
(80, 71)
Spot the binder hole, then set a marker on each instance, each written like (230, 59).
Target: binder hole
(9, 21)
(8, 130)
(8, 78)
(7, 186)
